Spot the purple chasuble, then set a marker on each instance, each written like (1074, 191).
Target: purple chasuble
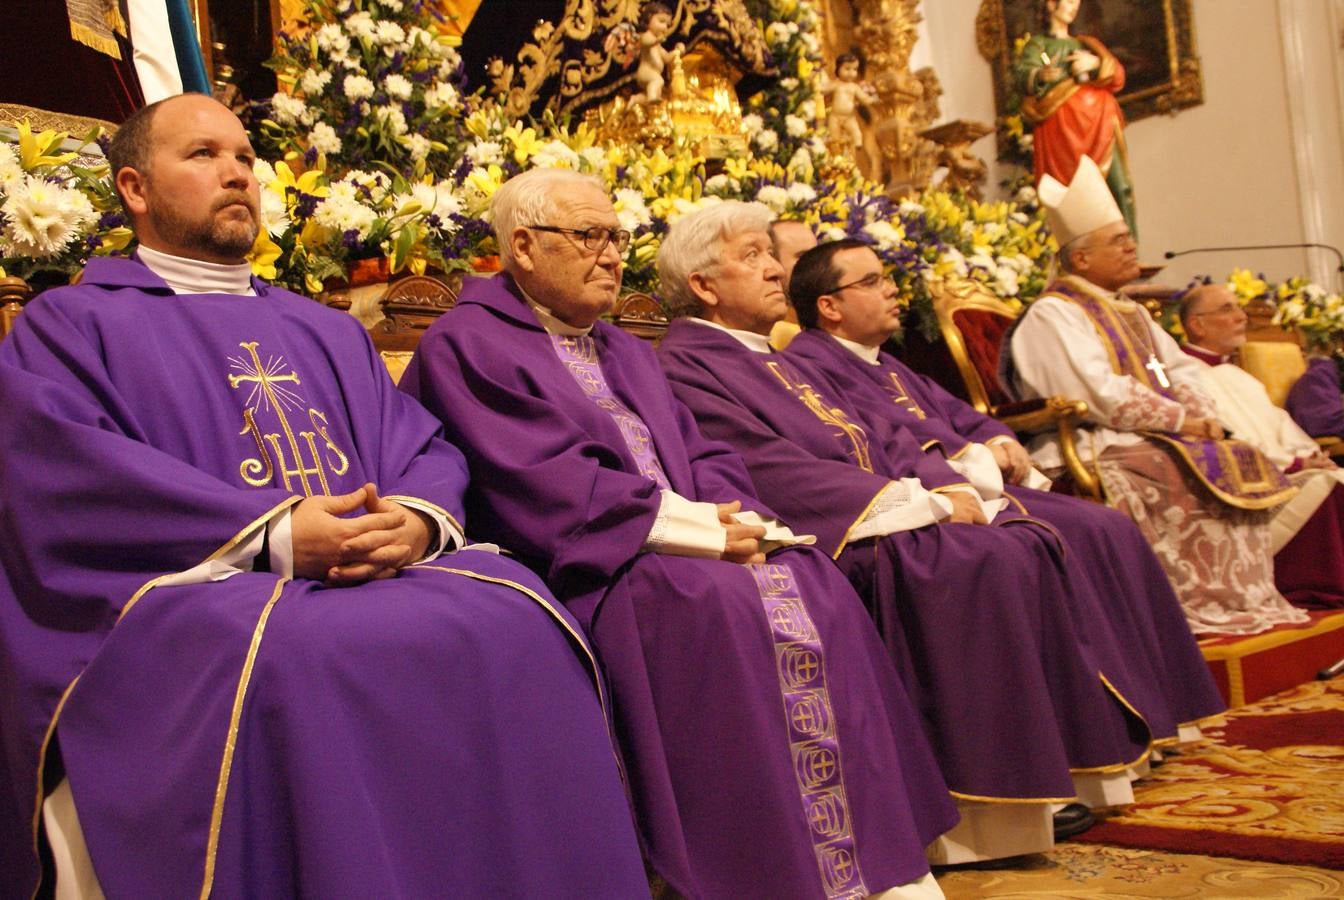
(439, 733)
(960, 606)
(1314, 400)
(771, 748)
(1120, 589)
(1234, 472)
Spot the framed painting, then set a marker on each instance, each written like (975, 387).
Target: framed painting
(1153, 39)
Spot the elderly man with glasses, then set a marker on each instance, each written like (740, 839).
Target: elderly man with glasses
(969, 592)
(1308, 540)
(1203, 502)
(770, 747)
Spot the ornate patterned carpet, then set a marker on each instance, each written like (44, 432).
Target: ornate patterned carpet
(1265, 786)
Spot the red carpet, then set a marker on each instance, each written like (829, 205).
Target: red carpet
(1266, 784)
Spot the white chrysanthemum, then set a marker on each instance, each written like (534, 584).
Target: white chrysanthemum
(801, 193)
(391, 118)
(274, 216)
(773, 196)
(631, 209)
(357, 87)
(418, 146)
(332, 36)
(264, 172)
(323, 139)
(314, 82)
(817, 146)
(417, 36)
(361, 25)
(752, 123)
(720, 183)
(342, 212)
(888, 236)
(398, 87)
(800, 164)
(555, 154)
(1026, 195)
(391, 5)
(795, 126)
(832, 233)
(594, 158)
(910, 207)
(766, 139)
(1005, 282)
(286, 109)
(442, 94)
(390, 33)
(981, 258)
(484, 153)
(808, 110)
(11, 170)
(777, 34)
(811, 44)
(44, 217)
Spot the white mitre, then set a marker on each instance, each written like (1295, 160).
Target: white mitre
(1081, 208)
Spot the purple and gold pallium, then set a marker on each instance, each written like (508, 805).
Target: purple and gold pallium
(1234, 471)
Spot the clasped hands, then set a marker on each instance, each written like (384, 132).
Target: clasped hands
(346, 551)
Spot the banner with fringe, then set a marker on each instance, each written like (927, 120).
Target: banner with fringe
(96, 24)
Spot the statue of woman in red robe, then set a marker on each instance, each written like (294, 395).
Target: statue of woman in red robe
(1069, 86)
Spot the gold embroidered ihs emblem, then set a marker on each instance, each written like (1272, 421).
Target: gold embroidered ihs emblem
(831, 415)
(271, 396)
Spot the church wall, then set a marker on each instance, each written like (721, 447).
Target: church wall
(1261, 161)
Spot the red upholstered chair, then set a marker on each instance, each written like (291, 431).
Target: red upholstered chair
(973, 323)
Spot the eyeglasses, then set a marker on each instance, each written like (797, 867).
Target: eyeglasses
(867, 282)
(595, 238)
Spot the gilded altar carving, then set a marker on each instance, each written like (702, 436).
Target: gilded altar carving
(883, 32)
(587, 57)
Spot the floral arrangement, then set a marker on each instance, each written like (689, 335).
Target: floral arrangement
(1299, 305)
(57, 208)
(366, 84)
(372, 152)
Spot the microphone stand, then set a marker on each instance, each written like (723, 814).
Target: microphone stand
(1172, 254)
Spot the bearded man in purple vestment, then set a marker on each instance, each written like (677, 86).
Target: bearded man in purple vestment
(245, 649)
(849, 309)
(771, 749)
(971, 594)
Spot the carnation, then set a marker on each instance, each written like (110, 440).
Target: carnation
(398, 87)
(801, 193)
(441, 95)
(286, 109)
(795, 126)
(314, 82)
(773, 196)
(357, 87)
(418, 146)
(766, 139)
(323, 139)
(342, 212)
(43, 218)
(888, 236)
(390, 33)
(555, 153)
(752, 123)
(483, 153)
(361, 25)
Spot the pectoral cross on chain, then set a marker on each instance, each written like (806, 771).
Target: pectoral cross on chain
(1159, 370)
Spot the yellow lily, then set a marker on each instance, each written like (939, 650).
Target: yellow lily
(525, 142)
(263, 255)
(34, 150)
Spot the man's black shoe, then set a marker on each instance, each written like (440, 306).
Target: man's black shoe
(1072, 819)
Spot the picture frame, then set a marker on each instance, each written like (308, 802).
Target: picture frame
(1153, 39)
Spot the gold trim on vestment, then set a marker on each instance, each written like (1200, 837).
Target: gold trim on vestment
(844, 541)
(960, 453)
(1120, 767)
(42, 773)
(1016, 502)
(231, 742)
(225, 548)
(947, 488)
(978, 798)
(929, 445)
(1253, 503)
(452, 520)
